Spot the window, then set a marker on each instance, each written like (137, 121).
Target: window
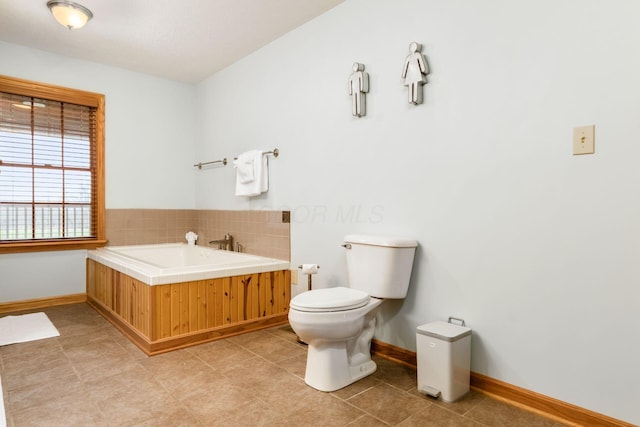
(51, 167)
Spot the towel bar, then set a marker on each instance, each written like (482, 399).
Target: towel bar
(201, 164)
(275, 153)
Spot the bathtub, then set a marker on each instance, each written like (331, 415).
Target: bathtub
(170, 296)
(178, 262)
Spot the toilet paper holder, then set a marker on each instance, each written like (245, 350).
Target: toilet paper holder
(308, 276)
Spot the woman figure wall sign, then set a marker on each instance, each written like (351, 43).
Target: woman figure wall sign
(414, 73)
(358, 88)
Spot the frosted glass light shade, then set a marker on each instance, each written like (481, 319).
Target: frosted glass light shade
(69, 14)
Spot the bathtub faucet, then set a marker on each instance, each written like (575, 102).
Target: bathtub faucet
(226, 243)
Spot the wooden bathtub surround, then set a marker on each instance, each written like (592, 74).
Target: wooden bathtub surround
(162, 318)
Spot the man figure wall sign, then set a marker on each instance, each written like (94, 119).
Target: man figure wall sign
(358, 88)
(414, 73)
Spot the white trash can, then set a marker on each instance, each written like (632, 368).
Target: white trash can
(444, 360)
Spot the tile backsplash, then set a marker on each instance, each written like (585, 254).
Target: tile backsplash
(259, 232)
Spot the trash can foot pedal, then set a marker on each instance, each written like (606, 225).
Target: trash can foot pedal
(430, 391)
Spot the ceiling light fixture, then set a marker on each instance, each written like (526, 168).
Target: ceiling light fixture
(71, 15)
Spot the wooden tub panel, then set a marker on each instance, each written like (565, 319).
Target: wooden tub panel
(234, 297)
(161, 318)
(188, 313)
(98, 283)
(197, 306)
(227, 285)
(131, 301)
(214, 302)
(252, 302)
(282, 294)
(179, 315)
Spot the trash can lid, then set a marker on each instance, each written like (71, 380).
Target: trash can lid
(444, 331)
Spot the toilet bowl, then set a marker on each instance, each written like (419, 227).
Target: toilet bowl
(339, 323)
(338, 339)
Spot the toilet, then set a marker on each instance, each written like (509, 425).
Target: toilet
(338, 323)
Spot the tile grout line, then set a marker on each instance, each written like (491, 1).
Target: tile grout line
(364, 412)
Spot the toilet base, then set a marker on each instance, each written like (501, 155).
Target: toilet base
(338, 344)
(329, 368)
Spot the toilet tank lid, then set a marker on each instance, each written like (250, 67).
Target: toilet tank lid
(393, 242)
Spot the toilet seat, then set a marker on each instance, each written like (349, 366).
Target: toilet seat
(330, 299)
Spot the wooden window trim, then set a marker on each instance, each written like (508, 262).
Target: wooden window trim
(63, 94)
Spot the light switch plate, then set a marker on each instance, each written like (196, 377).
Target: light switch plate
(584, 139)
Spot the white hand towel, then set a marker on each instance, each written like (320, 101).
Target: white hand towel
(244, 167)
(263, 172)
(252, 173)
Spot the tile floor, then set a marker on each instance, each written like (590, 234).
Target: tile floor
(92, 376)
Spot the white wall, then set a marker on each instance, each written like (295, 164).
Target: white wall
(150, 139)
(28, 276)
(535, 248)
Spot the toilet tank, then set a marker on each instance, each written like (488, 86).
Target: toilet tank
(380, 266)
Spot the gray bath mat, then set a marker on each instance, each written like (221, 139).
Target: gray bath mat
(26, 327)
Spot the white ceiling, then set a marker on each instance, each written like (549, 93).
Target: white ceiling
(184, 40)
